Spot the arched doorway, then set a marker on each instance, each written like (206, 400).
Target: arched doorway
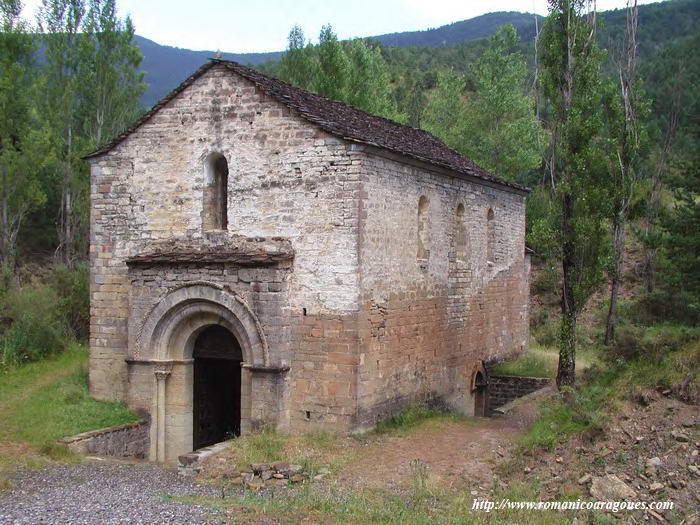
(216, 399)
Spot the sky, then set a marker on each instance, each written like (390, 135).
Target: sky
(244, 26)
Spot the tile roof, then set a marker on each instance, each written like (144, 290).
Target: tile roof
(338, 119)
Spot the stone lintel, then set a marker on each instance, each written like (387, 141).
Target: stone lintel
(159, 362)
(241, 258)
(270, 369)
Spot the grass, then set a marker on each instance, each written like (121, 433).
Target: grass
(541, 361)
(44, 401)
(412, 417)
(314, 451)
(338, 504)
(588, 408)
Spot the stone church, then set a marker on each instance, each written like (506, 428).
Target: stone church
(264, 255)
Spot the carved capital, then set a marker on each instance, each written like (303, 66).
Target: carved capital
(162, 372)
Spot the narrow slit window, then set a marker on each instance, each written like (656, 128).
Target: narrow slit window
(423, 230)
(215, 213)
(460, 234)
(490, 236)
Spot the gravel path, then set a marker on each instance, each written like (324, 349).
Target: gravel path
(102, 492)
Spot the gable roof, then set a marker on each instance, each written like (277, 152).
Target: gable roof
(338, 119)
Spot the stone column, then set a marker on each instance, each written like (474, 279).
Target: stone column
(162, 374)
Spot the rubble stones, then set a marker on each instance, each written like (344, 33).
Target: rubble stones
(611, 488)
(680, 436)
(262, 475)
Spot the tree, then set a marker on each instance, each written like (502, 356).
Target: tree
(626, 111)
(495, 126)
(298, 64)
(333, 66)
(681, 240)
(367, 86)
(19, 188)
(353, 72)
(90, 92)
(501, 130)
(113, 83)
(61, 21)
(443, 115)
(571, 83)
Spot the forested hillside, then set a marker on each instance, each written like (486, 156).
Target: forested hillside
(451, 46)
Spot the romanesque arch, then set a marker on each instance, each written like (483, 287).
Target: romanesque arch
(171, 327)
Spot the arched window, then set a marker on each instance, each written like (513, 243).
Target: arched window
(490, 236)
(423, 230)
(215, 212)
(460, 234)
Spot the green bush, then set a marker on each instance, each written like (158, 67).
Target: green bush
(652, 343)
(547, 334)
(39, 319)
(571, 412)
(72, 288)
(664, 306)
(37, 326)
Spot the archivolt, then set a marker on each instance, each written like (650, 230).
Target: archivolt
(171, 326)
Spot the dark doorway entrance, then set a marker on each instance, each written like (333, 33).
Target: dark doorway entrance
(217, 387)
(481, 397)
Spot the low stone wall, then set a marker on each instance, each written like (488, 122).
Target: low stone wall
(130, 440)
(504, 389)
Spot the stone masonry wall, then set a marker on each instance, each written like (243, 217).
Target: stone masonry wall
(286, 179)
(425, 324)
(504, 389)
(130, 440)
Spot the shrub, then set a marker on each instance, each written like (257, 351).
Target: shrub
(37, 326)
(71, 286)
(650, 344)
(658, 307)
(547, 334)
(546, 281)
(572, 412)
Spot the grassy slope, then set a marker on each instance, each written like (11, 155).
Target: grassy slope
(44, 401)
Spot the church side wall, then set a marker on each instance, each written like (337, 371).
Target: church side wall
(427, 321)
(287, 179)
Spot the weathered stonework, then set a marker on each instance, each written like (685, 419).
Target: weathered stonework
(318, 276)
(504, 389)
(130, 440)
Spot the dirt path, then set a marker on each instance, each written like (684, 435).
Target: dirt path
(456, 453)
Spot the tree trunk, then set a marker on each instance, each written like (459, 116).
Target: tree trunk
(566, 373)
(4, 240)
(618, 262)
(66, 241)
(650, 232)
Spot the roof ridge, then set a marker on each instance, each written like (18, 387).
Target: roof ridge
(337, 118)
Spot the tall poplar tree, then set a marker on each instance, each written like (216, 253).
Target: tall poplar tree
(443, 115)
(90, 93)
(333, 66)
(64, 74)
(571, 81)
(626, 110)
(114, 83)
(20, 191)
(298, 64)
